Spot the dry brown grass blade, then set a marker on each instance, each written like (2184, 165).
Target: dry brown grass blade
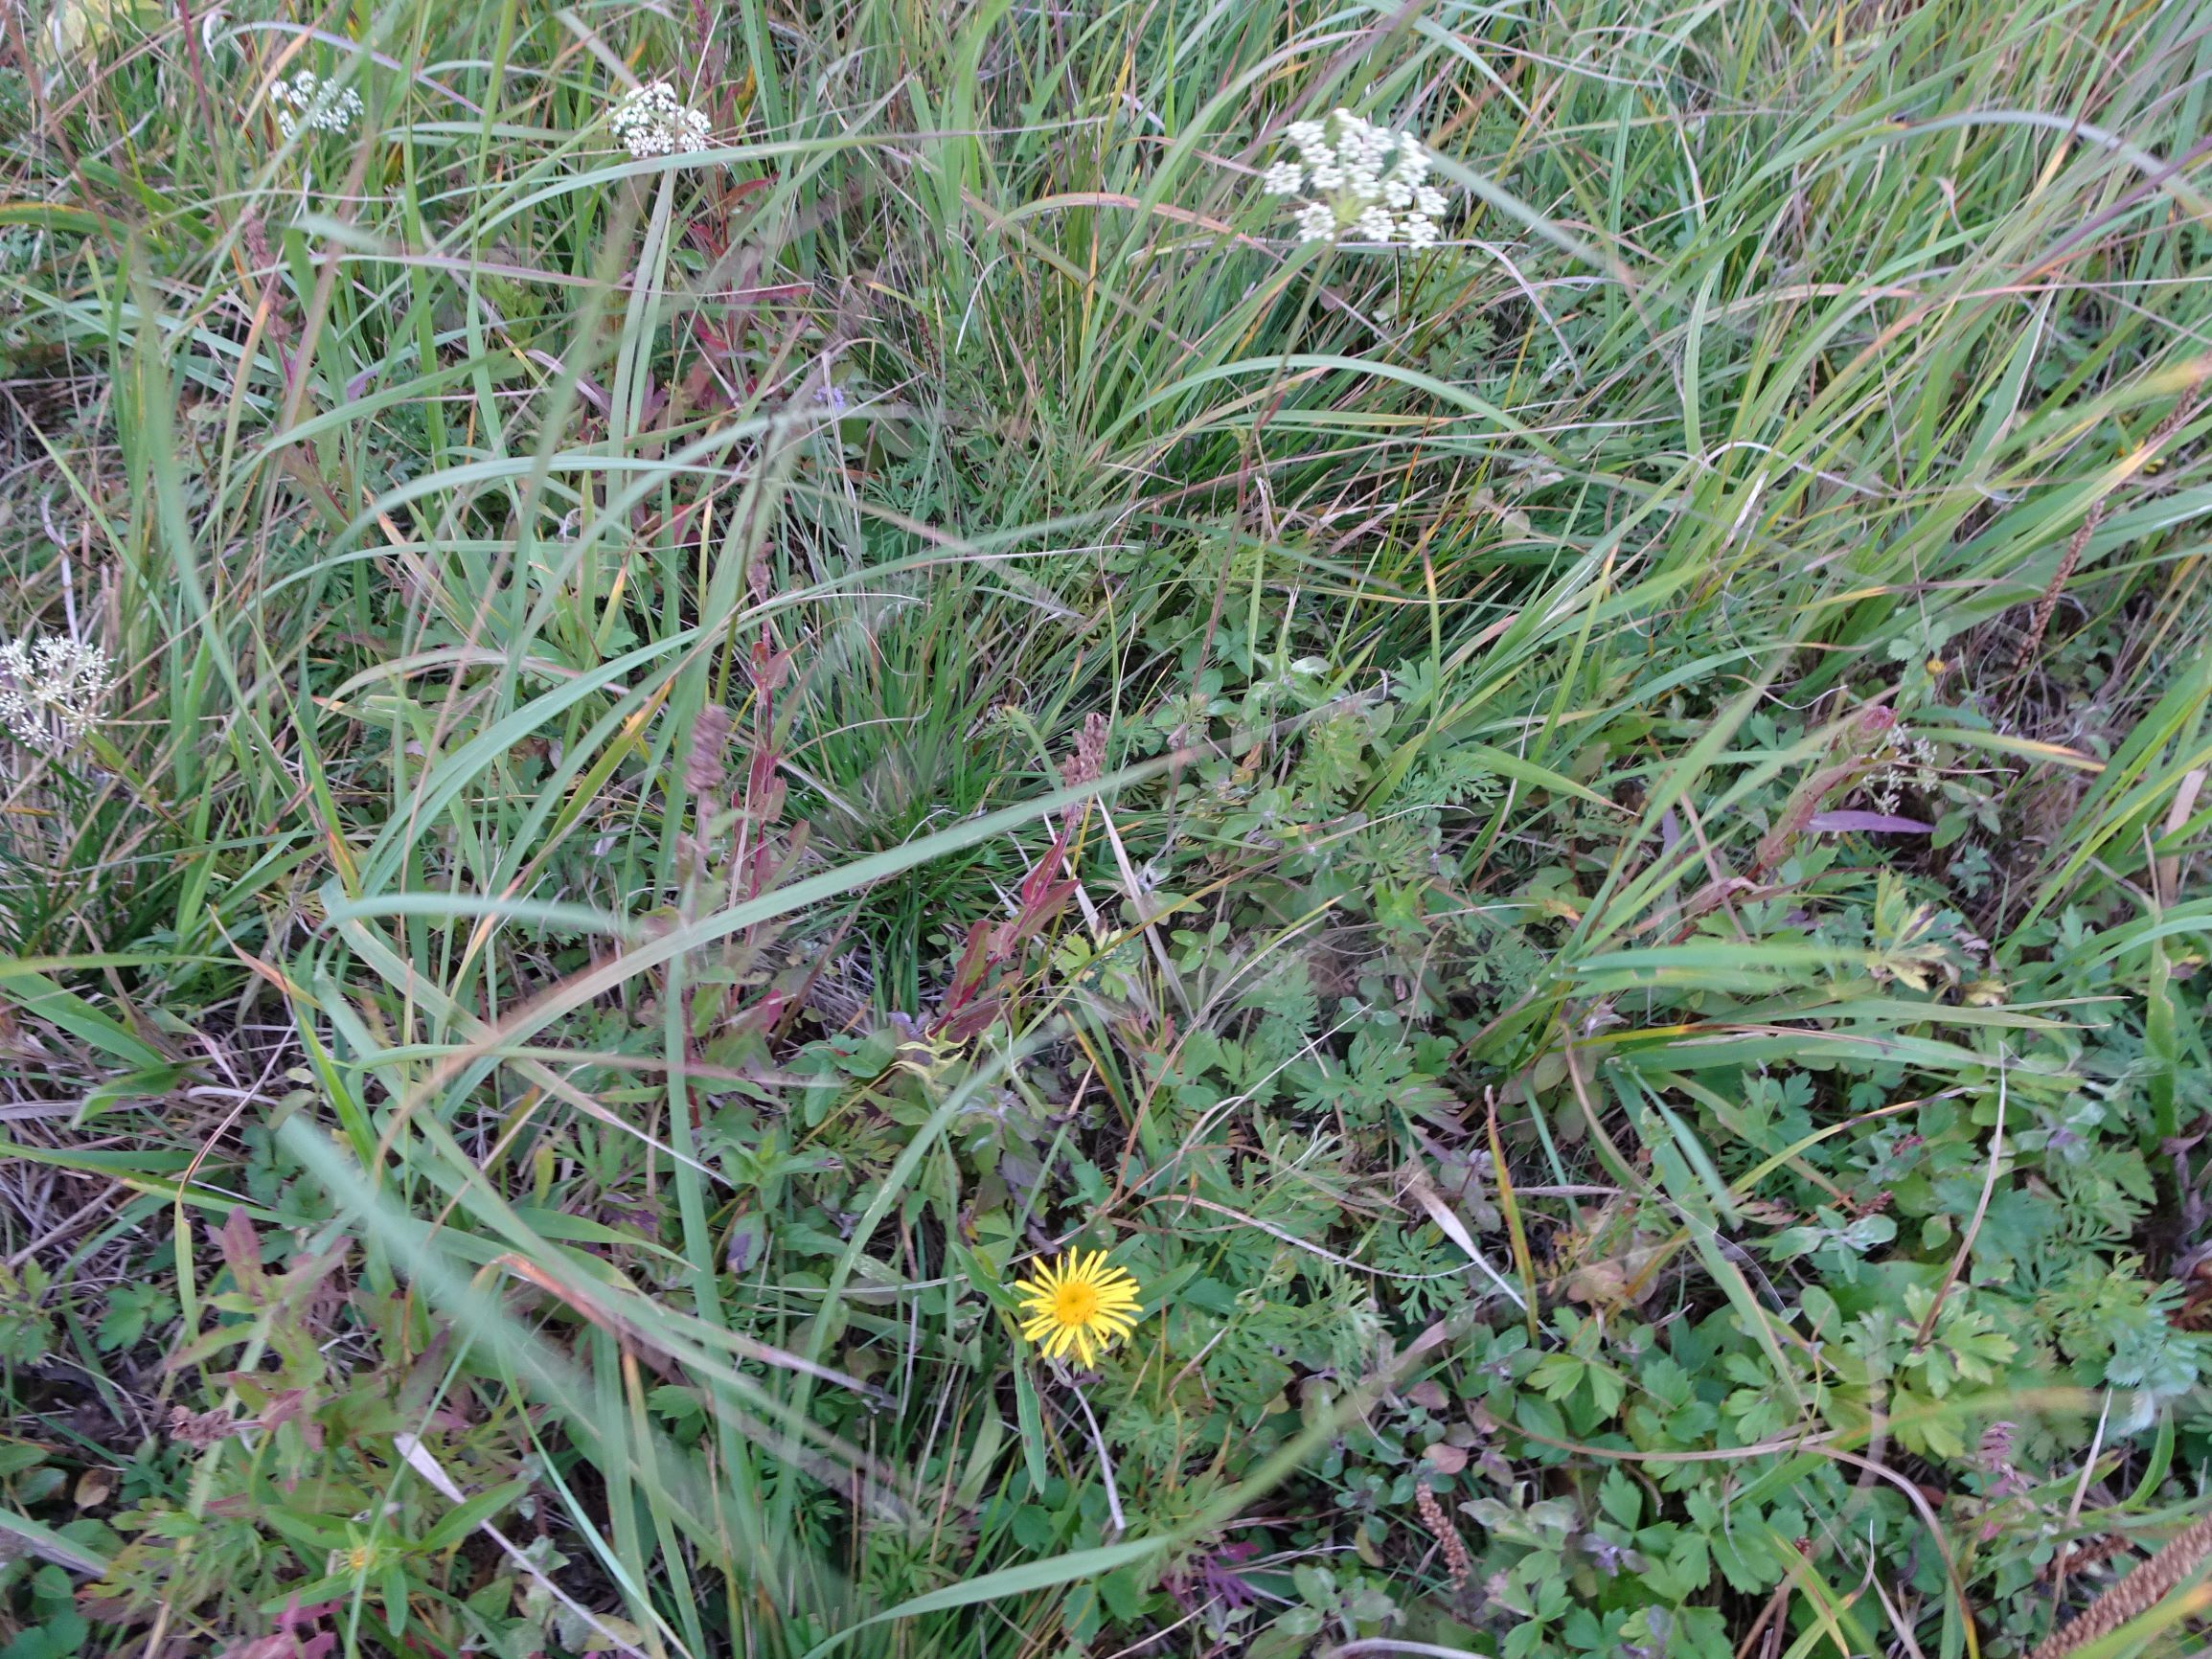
(2135, 1595)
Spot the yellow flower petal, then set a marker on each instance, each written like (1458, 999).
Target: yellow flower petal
(1078, 1305)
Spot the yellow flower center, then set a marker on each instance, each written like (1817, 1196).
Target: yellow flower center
(1076, 1302)
(1079, 1307)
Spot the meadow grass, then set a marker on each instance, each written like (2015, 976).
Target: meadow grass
(1583, 849)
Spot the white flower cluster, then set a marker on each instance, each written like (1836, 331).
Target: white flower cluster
(1361, 182)
(51, 691)
(1909, 762)
(653, 120)
(308, 100)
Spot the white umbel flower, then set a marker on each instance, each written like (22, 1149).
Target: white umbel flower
(1374, 225)
(1357, 181)
(308, 100)
(1316, 222)
(653, 120)
(51, 691)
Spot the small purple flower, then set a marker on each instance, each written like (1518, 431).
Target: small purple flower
(1214, 1577)
(1604, 1553)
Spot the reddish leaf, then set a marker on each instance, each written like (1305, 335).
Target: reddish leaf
(1866, 823)
(241, 1249)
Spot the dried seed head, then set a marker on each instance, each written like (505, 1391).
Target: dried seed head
(201, 1430)
(703, 772)
(1088, 762)
(1456, 1563)
(2135, 1595)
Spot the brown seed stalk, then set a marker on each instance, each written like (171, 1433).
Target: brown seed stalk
(2135, 1595)
(703, 772)
(1456, 1563)
(2033, 641)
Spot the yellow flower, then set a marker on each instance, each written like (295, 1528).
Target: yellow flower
(1079, 1303)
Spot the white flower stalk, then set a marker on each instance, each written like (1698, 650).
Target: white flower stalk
(653, 120)
(308, 100)
(51, 691)
(1357, 182)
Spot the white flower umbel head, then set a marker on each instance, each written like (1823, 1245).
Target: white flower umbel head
(51, 691)
(308, 100)
(1374, 225)
(1357, 181)
(653, 120)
